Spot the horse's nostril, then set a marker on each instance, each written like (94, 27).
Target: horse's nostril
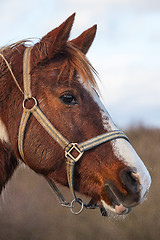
(131, 181)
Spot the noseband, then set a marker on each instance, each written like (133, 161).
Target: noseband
(69, 148)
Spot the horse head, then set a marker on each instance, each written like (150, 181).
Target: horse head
(63, 84)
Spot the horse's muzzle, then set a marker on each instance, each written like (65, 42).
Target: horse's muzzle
(122, 203)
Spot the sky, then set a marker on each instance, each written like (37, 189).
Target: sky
(125, 52)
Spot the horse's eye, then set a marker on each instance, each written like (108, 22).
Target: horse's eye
(68, 99)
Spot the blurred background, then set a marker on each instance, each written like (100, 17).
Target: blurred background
(126, 54)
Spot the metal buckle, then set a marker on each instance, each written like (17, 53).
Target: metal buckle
(80, 202)
(68, 152)
(72, 205)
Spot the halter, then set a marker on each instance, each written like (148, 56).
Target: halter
(69, 148)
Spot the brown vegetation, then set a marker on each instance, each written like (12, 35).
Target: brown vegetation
(29, 210)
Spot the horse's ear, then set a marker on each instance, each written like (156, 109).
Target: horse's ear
(84, 41)
(53, 42)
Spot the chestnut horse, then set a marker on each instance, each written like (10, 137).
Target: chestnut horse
(55, 82)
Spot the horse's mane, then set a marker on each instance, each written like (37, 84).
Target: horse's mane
(74, 60)
(8, 48)
(8, 52)
(26, 42)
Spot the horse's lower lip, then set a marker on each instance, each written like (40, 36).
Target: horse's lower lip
(115, 204)
(118, 209)
(121, 210)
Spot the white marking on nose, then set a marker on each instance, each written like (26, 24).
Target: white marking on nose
(125, 152)
(3, 133)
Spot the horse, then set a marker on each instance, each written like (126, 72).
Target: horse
(52, 116)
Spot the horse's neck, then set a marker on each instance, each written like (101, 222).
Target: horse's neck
(8, 163)
(7, 160)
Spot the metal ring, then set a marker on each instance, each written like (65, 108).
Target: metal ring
(77, 200)
(25, 100)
